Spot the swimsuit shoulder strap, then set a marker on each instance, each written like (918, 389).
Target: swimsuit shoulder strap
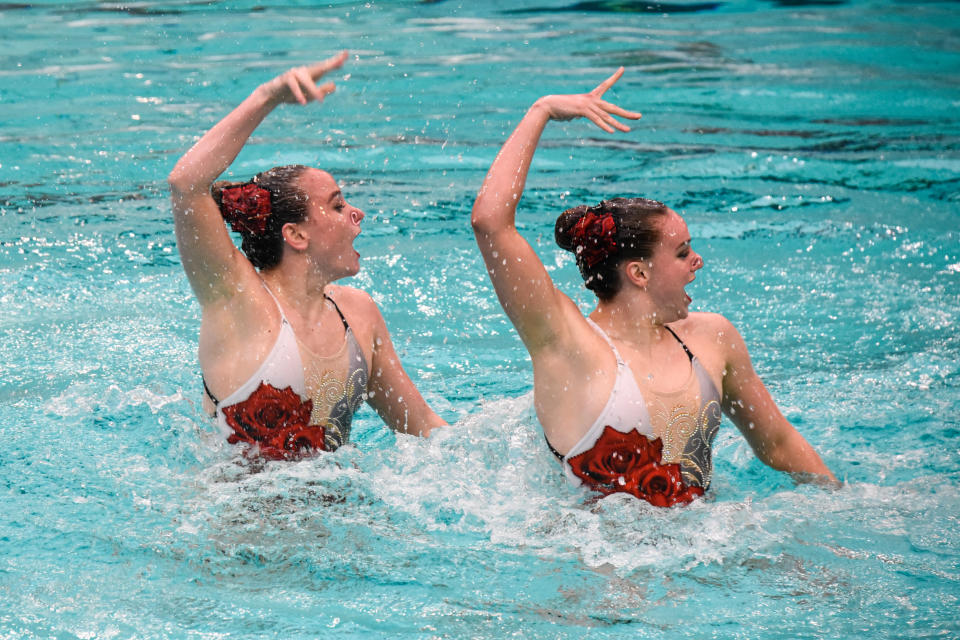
(596, 327)
(283, 320)
(689, 355)
(340, 313)
(283, 316)
(620, 364)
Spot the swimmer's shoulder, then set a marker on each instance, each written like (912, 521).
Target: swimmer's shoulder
(707, 333)
(357, 306)
(703, 323)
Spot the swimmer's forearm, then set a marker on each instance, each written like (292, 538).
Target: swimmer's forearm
(211, 156)
(424, 430)
(796, 457)
(219, 147)
(496, 204)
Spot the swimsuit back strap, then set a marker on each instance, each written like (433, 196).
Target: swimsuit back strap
(340, 313)
(552, 450)
(210, 395)
(689, 355)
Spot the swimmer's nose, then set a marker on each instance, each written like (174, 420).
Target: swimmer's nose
(356, 216)
(697, 262)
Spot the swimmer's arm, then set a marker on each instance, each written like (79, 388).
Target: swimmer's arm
(523, 286)
(748, 403)
(213, 265)
(390, 391)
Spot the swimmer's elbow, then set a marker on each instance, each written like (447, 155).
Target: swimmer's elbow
(489, 232)
(488, 218)
(180, 184)
(481, 223)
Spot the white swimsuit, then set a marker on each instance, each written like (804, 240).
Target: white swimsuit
(283, 368)
(686, 431)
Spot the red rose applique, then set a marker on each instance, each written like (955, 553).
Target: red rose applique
(662, 485)
(596, 238)
(246, 207)
(277, 420)
(632, 463)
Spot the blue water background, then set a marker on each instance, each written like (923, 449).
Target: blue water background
(814, 149)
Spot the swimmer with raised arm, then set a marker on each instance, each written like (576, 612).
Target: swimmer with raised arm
(630, 397)
(287, 356)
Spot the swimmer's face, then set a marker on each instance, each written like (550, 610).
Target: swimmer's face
(672, 267)
(331, 225)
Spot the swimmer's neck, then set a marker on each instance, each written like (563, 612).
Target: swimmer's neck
(300, 290)
(635, 322)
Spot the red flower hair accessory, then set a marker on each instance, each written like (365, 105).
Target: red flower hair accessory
(246, 207)
(595, 237)
(277, 420)
(632, 463)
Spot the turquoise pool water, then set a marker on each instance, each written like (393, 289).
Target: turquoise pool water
(814, 149)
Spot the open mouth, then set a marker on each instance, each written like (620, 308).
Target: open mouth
(687, 295)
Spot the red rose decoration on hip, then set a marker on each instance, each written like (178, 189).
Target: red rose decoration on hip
(246, 207)
(596, 238)
(607, 465)
(662, 485)
(277, 420)
(632, 463)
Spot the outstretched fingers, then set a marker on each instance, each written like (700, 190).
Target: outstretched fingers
(613, 122)
(606, 84)
(602, 111)
(293, 83)
(303, 87)
(596, 118)
(307, 83)
(618, 111)
(324, 66)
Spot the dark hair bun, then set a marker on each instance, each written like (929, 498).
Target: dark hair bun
(263, 246)
(562, 230)
(635, 232)
(217, 190)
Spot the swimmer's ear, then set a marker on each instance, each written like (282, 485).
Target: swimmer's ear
(294, 236)
(638, 273)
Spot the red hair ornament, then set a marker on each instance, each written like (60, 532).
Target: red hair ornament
(246, 207)
(595, 238)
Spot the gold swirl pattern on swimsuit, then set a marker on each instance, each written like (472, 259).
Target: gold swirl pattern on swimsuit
(696, 461)
(685, 432)
(336, 396)
(347, 401)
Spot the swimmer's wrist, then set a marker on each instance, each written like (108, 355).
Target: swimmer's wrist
(263, 94)
(541, 108)
(266, 94)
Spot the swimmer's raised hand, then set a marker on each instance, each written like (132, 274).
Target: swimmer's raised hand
(589, 105)
(299, 85)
